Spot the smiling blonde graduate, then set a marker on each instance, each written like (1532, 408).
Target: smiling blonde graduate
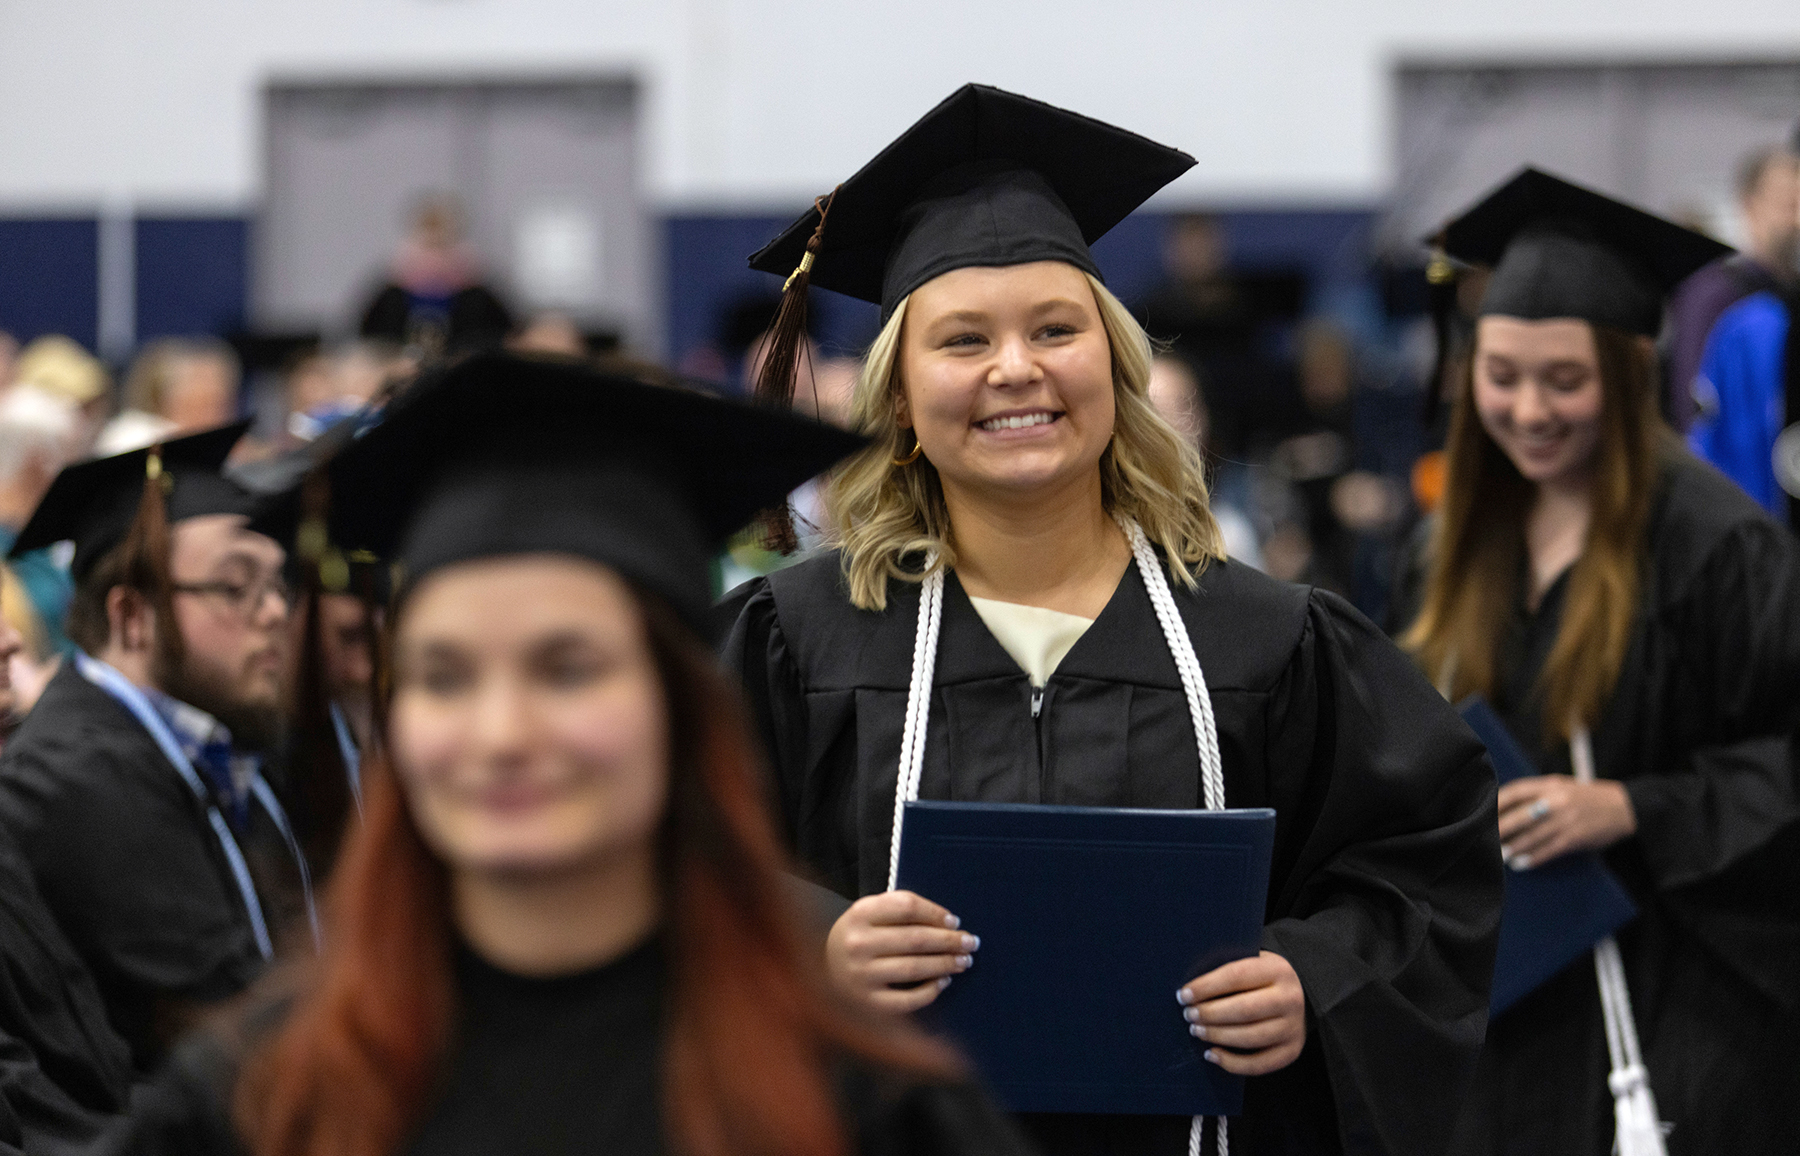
(1020, 477)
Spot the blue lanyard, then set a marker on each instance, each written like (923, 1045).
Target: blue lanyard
(107, 678)
(351, 755)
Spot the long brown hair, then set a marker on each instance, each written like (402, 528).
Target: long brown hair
(1478, 547)
(750, 1033)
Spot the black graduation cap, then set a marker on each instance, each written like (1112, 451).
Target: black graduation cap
(273, 352)
(985, 178)
(95, 502)
(1560, 250)
(504, 454)
(279, 487)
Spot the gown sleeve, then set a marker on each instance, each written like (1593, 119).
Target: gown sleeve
(756, 651)
(130, 869)
(894, 1118)
(184, 1110)
(60, 1098)
(1737, 640)
(1387, 902)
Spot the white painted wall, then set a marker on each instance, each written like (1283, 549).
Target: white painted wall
(761, 103)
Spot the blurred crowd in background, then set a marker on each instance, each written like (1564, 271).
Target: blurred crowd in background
(1320, 414)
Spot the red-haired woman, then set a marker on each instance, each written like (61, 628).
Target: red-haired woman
(1635, 620)
(560, 926)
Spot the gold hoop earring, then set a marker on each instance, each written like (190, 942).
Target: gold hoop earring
(909, 459)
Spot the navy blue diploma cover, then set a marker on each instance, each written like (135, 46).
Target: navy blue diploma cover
(1554, 914)
(1090, 919)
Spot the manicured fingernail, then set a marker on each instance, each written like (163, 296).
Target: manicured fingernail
(1520, 863)
(1505, 853)
(1198, 1031)
(1191, 1015)
(1210, 1056)
(971, 943)
(943, 983)
(952, 922)
(1183, 996)
(965, 961)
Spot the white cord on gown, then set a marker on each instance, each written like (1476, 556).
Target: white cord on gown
(918, 706)
(1193, 683)
(1637, 1130)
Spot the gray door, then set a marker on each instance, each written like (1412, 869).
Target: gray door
(546, 172)
(1668, 137)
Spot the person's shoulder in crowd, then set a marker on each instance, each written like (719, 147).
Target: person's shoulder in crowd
(1760, 316)
(186, 1109)
(1716, 285)
(1699, 513)
(1748, 338)
(75, 738)
(70, 710)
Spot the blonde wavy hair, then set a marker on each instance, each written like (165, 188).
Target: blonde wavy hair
(882, 513)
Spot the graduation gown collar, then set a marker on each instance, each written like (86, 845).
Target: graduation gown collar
(1107, 652)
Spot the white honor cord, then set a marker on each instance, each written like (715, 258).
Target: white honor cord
(1193, 683)
(918, 706)
(1637, 1130)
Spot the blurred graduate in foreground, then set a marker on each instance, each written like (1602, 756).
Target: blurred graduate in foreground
(560, 926)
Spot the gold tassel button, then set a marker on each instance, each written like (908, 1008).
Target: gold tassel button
(805, 266)
(334, 572)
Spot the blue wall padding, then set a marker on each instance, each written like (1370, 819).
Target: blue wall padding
(192, 275)
(193, 271)
(49, 280)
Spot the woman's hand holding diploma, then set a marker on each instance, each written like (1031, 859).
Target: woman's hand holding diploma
(1253, 1009)
(1546, 817)
(892, 938)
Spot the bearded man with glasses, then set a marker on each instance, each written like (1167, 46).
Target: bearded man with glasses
(135, 787)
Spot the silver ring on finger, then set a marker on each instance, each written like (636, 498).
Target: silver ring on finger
(1539, 810)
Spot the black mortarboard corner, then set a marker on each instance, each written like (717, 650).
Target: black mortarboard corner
(292, 496)
(273, 352)
(501, 454)
(1560, 250)
(94, 503)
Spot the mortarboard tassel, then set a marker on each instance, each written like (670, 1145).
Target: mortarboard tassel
(324, 801)
(381, 643)
(1440, 277)
(781, 352)
(146, 548)
(781, 365)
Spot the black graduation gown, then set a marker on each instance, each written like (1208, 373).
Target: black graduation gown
(128, 864)
(64, 1073)
(1386, 878)
(1701, 728)
(563, 1066)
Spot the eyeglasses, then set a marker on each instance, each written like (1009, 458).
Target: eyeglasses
(241, 599)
